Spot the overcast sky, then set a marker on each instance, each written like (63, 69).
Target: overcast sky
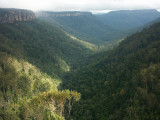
(81, 5)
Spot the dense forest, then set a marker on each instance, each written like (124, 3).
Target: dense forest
(47, 73)
(129, 19)
(34, 55)
(98, 29)
(124, 84)
(45, 46)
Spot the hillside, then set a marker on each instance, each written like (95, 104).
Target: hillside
(84, 26)
(123, 85)
(99, 29)
(28, 93)
(42, 44)
(129, 19)
(33, 57)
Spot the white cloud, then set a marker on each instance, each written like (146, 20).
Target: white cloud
(84, 5)
(100, 11)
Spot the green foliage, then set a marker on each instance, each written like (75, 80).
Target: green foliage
(31, 63)
(57, 102)
(118, 84)
(129, 19)
(87, 28)
(22, 81)
(124, 84)
(19, 83)
(99, 29)
(47, 47)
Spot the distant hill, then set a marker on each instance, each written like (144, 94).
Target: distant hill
(152, 22)
(129, 19)
(122, 85)
(61, 14)
(98, 29)
(83, 25)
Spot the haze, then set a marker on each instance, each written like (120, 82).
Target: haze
(81, 5)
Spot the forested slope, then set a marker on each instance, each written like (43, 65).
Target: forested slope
(129, 19)
(44, 45)
(124, 85)
(85, 27)
(99, 29)
(33, 57)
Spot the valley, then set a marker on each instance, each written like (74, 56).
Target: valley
(99, 29)
(79, 66)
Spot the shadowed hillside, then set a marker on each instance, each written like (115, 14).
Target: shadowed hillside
(99, 29)
(124, 84)
(33, 57)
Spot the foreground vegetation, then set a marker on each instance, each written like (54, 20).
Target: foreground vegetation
(28, 93)
(31, 63)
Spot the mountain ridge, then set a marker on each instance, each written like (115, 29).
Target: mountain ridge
(129, 19)
(61, 14)
(98, 29)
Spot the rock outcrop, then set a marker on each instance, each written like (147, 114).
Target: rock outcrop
(61, 14)
(15, 15)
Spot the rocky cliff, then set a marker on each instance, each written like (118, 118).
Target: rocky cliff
(61, 14)
(15, 15)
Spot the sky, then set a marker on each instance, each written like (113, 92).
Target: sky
(95, 6)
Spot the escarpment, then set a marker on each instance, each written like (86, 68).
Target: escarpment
(61, 14)
(15, 15)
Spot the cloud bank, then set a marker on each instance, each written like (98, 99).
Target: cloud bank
(80, 5)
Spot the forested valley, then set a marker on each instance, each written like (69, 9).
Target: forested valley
(79, 66)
